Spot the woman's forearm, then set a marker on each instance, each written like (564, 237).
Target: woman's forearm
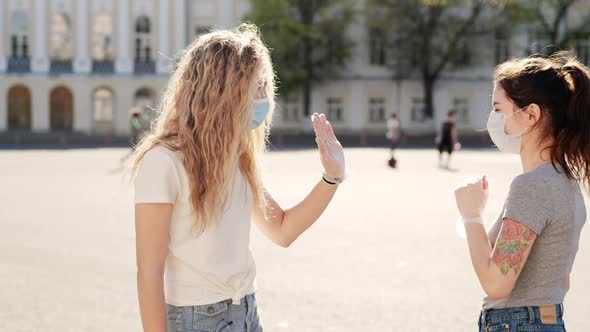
(152, 305)
(300, 217)
(480, 251)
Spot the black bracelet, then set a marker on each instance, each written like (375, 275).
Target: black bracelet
(328, 182)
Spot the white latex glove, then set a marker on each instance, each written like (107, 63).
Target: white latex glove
(472, 199)
(331, 152)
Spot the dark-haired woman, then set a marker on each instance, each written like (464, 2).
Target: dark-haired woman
(541, 111)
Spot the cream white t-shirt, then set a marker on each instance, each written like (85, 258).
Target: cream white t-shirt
(214, 266)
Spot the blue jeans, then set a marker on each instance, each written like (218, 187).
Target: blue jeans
(522, 319)
(218, 317)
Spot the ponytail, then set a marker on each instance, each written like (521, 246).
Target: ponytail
(572, 138)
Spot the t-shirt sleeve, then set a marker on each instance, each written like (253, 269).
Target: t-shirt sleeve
(528, 203)
(156, 180)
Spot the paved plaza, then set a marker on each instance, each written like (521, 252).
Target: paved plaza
(384, 257)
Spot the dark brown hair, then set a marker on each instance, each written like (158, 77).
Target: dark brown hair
(560, 85)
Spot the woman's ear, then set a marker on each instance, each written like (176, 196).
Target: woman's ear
(534, 114)
(261, 91)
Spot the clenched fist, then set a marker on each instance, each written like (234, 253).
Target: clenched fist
(472, 199)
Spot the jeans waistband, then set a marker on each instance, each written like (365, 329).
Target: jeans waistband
(246, 300)
(532, 313)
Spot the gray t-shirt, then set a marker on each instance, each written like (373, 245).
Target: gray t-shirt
(551, 205)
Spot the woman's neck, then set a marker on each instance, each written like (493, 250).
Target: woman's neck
(533, 155)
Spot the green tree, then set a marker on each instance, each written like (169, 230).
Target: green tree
(426, 37)
(557, 24)
(308, 40)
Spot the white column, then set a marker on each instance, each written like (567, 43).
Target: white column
(357, 32)
(357, 112)
(83, 107)
(164, 36)
(180, 17)
(40, 108)
(2, 39)
(82, 61)
(123, 63)
(40, 60)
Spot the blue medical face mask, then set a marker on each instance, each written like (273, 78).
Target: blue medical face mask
(260, 110)
(509, 143)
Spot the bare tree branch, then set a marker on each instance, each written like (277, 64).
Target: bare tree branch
(476, 10)
(542, 18)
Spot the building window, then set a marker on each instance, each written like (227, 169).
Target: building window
(292, 110)
(418, 110)
(462, 56)
(376, 110)
(334, 112)
(502, 46)
(19, 30)
(102, 42)
(583, 51)
(61, 37)
(19, 108)
(103, 111)
(61, 109)
(332, 53)
(142, 39)
(103, 105)
(461, 109)
(19, 62)
(377, 46)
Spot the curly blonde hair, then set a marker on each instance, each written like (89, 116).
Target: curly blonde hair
(206, 113)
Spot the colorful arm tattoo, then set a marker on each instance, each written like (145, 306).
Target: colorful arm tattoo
(514, 241)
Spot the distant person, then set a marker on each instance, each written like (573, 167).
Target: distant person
(199, 188)
(135, 127)
(447, 140)
(393, 135)
(541, 112)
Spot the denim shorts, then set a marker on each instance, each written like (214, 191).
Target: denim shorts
(522, 319)
(222, 316)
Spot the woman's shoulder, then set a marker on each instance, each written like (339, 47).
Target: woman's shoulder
(162, 155)
(161, 151)
(544, 180)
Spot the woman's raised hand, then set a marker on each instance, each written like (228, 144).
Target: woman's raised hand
(331, 152)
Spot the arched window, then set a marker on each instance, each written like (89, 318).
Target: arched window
(19, 108)
(102, 107)
(61, 109)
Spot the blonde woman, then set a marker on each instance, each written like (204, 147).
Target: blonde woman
(198, 186)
